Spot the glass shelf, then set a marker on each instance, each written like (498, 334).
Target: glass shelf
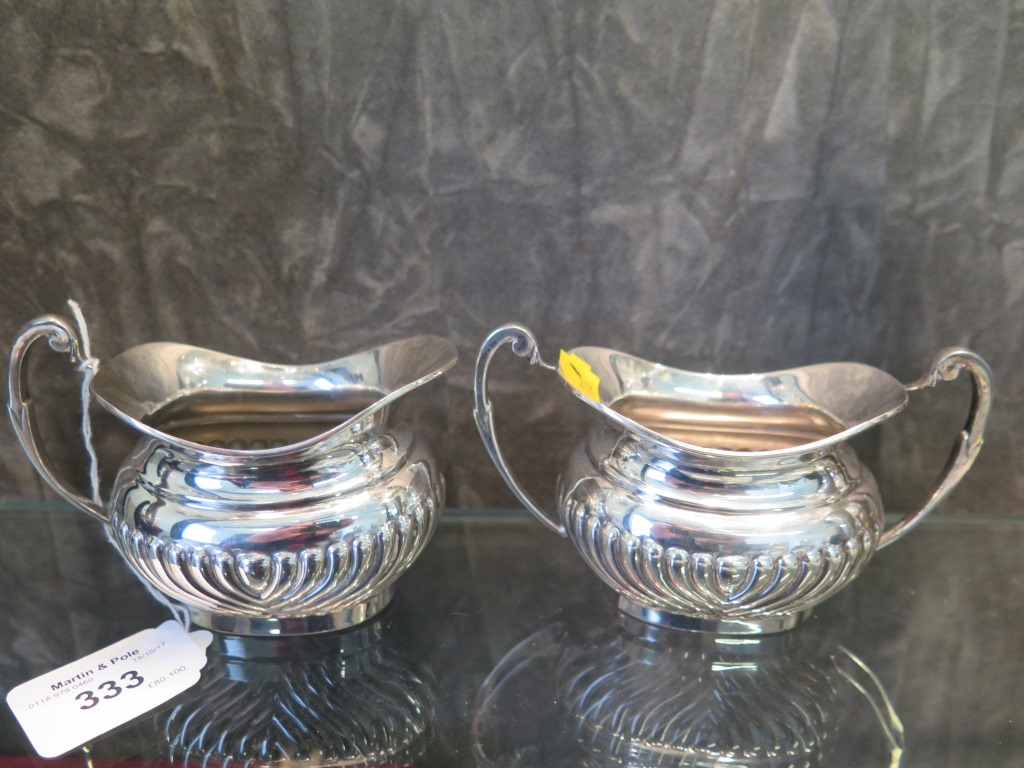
(501, 648)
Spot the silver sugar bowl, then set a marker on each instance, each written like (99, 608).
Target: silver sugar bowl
(266, 499)
(730, 504)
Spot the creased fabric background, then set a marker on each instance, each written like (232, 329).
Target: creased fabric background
(720, 185)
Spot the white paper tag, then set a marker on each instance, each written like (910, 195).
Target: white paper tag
(67, 707)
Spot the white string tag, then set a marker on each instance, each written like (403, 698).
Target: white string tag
(88, 367)
(85, 699)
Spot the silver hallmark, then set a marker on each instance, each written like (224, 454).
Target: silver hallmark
(730, 504)
(267, 499)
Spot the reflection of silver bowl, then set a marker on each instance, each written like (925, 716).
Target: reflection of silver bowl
(638, 695)
(340, 699)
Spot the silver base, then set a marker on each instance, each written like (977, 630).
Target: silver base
(762, 626)
(298, 625)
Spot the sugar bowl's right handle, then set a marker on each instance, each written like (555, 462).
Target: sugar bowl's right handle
(523, 344)
(946, 367)
(62, 337)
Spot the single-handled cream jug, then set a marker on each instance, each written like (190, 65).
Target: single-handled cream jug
(267, 499)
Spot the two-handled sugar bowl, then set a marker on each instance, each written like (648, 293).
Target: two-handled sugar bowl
(266, 499)
(727, 503)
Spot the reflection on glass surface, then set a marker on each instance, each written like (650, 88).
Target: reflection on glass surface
(637, 695)
(347, 698)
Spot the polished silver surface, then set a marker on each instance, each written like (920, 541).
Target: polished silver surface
(732, 501)
(266, 499)
(759, 626)
(62, 337)
(523, 344)
(641, 696)
(350, 616)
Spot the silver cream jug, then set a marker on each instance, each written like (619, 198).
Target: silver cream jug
(727, 503)
(266, 499)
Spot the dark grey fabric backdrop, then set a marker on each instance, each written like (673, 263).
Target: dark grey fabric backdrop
(724, 185)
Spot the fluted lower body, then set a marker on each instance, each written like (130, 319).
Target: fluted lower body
(313, 544)
(742, 549)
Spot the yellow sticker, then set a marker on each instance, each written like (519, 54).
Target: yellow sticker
(580, 375)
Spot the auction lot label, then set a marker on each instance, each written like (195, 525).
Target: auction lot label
(67, 707)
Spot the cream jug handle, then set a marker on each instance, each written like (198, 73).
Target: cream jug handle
(524, 345)
(62, 337)
(946, 367)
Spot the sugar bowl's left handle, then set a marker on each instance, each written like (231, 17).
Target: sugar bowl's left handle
(62, 337)
(523, 344)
